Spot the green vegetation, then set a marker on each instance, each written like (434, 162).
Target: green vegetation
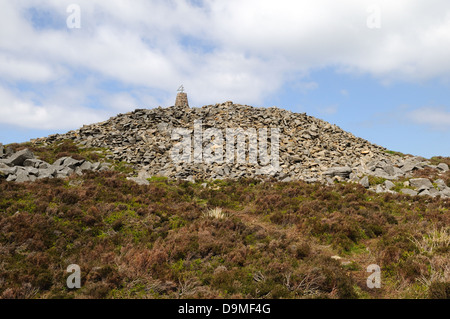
(158, 241)
(50, 153)
(395, 153)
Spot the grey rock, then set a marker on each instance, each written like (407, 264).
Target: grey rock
(86, 166)
(22, 176)
(379, 189)
(408, 191)
(32, 171)
(2, 150)
(49, 172)
(339, 171)
(421, 182)
(32, 162)
(445, 192)
(19, 157)
(72, 163)
(64, 172)
(60, 161)
(440, 184)
(389, 185)
(443, 167)
(365, 182)
(11, 178)
(139, 181)
(389, 169)
(8, 170)
(425, 192)
(433, 192)
(96, 166)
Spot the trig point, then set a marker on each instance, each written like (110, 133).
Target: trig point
(182, 100)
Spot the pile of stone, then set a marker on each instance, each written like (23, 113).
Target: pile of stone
(22, 166)
(310, 149)
(417, 186)
(308, 146)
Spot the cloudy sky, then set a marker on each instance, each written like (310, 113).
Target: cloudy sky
(379, 69)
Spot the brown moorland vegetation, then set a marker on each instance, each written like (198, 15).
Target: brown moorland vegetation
(228, 239)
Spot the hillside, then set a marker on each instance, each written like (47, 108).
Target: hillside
(310, 233)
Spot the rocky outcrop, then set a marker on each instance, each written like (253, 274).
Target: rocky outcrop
(22, 166)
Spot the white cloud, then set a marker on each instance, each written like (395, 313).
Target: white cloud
(436, 118)
(24, 113)
(246, 50)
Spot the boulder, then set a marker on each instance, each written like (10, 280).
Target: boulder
(421, 182)
(22, 176)
(365, 182)
(408, 191)
(72, 163)
(18, 158)
(139, 181)
(86, 166)
(8, 170)
(389, 185)
(425, 192)
(440, 184)
(2, 150)
(445, 192)
(339, 171)
(32, 162)
(443, 167)
(60, 161)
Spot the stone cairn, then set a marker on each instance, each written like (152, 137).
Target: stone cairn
(310, 149)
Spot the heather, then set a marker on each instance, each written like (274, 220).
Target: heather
(218, 239)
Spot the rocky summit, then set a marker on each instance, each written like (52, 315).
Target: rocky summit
(308, 148)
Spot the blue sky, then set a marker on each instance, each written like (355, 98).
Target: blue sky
(378, 69)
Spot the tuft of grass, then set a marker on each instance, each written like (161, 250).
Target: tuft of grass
(215, 213)
(436, 239)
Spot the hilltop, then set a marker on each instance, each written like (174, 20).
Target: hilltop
(111, 200)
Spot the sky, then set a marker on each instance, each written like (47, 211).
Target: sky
(378, 69)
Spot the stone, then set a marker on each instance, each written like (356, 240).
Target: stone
(60, 161)
(8, 170)
(440, 184)
(365, 182)
(139, 181)
(443, 167)
(433, 192)
(389, 185)
(379, 189)
(22, 176)
(72, 163)
(425, 192)
(19, 157)
(47, 172)
(86, 166)
(408, 191)
(339, 171)
(445, 192)
(32, 162)
(420, 182)
(2, 150)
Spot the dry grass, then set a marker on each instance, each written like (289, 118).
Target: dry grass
(433, 240)
(215, 213)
